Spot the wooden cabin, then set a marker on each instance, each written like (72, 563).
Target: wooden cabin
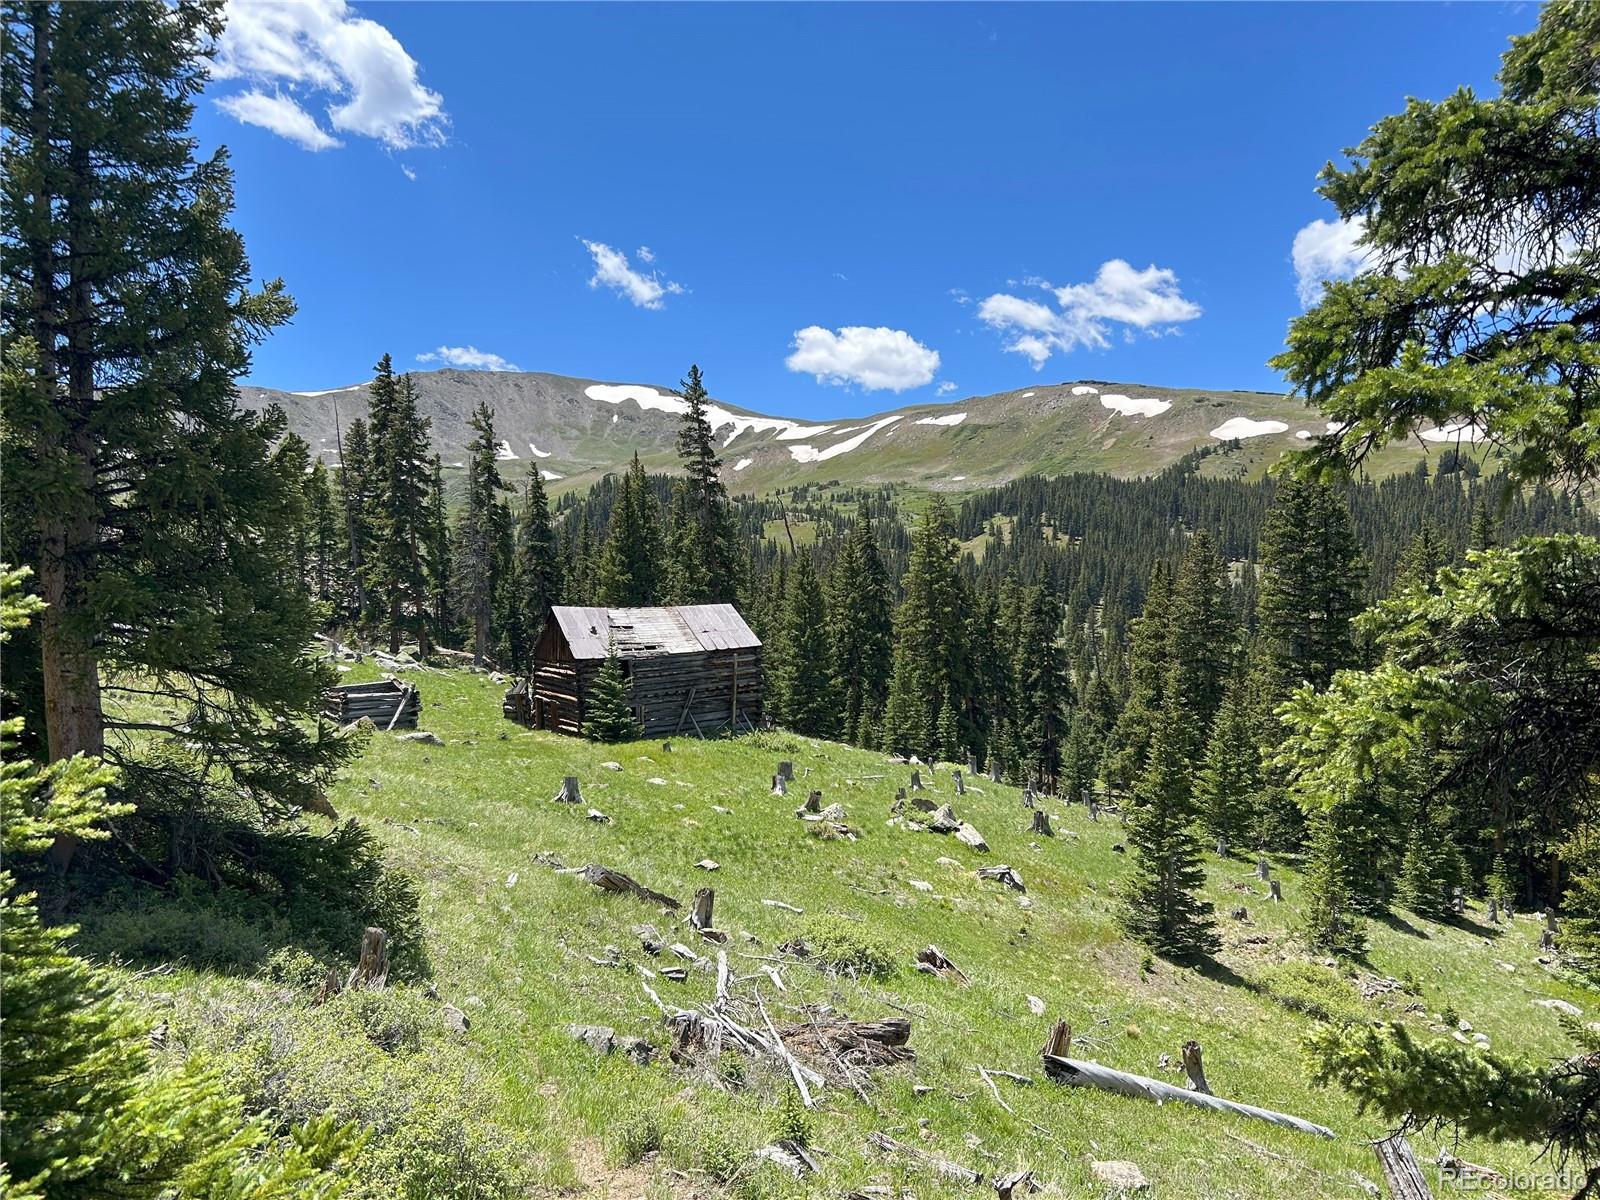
(691, 668)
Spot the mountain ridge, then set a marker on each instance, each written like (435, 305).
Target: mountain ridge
(576, 429)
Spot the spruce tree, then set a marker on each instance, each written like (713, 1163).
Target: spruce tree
(536, 572)
(1159, 903)
(803, 688)
(436, 562)
(607, 714)
(1148, 658)
(357, 500)
(1201, 633)
(399, 503)
(927, 628)
(480, 553)
(701, 541)
(1331, 924)
(145, 498)
(1421, 561)
(1043, 695)
(628, 572)
(861, 626)
(1310, 587)
(1230, 777)
(323, 537)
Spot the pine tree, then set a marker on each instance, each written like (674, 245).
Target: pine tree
(1201, 634)
(1148, 659)
(145, 498)
(1310, 587)
(1579, 937)
(480, 553)
(580, 578)
(399, 503)
(628, 572)
(803, 689)
(536, 573)
(1500, 885)
(436, 560)
(1331, 924)
(1160, 905)
(323, 538)
(703, 549)
(357, 498)
(861, 625)
(927, 628)
(1230, 777)
(1043, 695)
(607, 714)
(1421, 561)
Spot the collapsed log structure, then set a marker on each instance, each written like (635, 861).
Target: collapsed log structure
(388, 704)
(691, 668)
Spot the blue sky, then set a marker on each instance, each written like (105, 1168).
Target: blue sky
(845, 208)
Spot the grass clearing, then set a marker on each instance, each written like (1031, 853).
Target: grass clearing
(509, 942)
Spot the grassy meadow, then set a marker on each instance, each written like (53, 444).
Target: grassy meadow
(516, 1102)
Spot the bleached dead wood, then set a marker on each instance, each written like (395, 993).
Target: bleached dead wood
(371, 971)
(1400, 1169)
(570, 793)
(1194, 1069)
(700, 909)
(1076, 1073)
(783, 1052)
(942, 1167)
(609, 880)
(1003, 874)
(932, 961)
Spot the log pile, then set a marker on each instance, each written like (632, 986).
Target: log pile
(388, 704)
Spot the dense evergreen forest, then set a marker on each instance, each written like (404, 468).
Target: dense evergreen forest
(1395, 683)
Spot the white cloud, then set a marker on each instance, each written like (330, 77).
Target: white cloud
(612, 270)
(875, 358)
(1325, 250)
(1119, 295)
(945, 388)
(281, 115)
(468, 358)
(408, 172)
(645, 255)
(361, 71)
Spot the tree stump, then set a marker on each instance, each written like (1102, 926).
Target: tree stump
(1059, 1043)
(1194, 1068)
(994, 771)
(813, 804)
(1027, 797)
(700, 908)
(1222, 847)
(372, 967)
(1494, 911)
(1458, 901)
(1263, 868)
(972, 765)
(569, 793)
(961, 788)
(1094, 809)
(899, 793)
(916, 781)
(786, 770)
(779, 786)
(1275, 890)
(1400, 1169)
(1041, 823)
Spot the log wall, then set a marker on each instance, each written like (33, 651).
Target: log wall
(670, 693)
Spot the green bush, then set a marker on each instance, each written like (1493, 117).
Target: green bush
(720, 1155)
(1316, 991)
(638, 1136)
(791, 1120)
(846, 946)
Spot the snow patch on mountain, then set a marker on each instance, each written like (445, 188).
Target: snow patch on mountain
(742, 464)
(504, 451)
(647, 398)
(810, 454)
(354, 387)
(1083, 389)
(1246, 427)
(538, 453)
(1456, 431)
(947, 419)
(1147, 406)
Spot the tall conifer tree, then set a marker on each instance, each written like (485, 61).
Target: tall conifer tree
(704, 567)
(803, 686)
(861, 624)
(480, 553)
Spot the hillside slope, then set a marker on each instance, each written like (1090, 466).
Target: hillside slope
(524, 950)
(575, 430)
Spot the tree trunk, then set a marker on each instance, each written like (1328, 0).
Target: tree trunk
(1194, 1069)
(1400, 1169)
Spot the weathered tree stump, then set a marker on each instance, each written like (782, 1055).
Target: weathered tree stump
(1094, 809)
(786, 770)
(1458, 901)
(1222, 847)
(1241, 913)
(1263, 868)
(961, 787)
(780, 786)
(1059, 1043)
(1194, 1068)
(1494, 911)
(972, 765)
(1003, 874)
(900, 793)
(1275, 890)
(372, 967)
(994, 771)
(1400, 1169)
(569, 793)
(916, 781)
(813, 804)
(1041, 823)
(700, 908)
(1027, 797)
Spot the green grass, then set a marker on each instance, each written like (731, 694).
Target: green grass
(508, 940)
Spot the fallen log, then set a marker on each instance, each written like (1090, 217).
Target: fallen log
(608, 880)
(932, 961)
(942, 1167)
(1076, 1073)
(1400, 1169)
(1003, 874)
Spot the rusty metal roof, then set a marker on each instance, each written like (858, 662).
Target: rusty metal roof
(641, 632)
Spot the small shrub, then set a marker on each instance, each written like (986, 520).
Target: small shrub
(731, 1068)
(294, 967)
(1316, 991)
(720, 1155)
(639, 1136)
(792, 1121)
(1147, 964)
(847, 947)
